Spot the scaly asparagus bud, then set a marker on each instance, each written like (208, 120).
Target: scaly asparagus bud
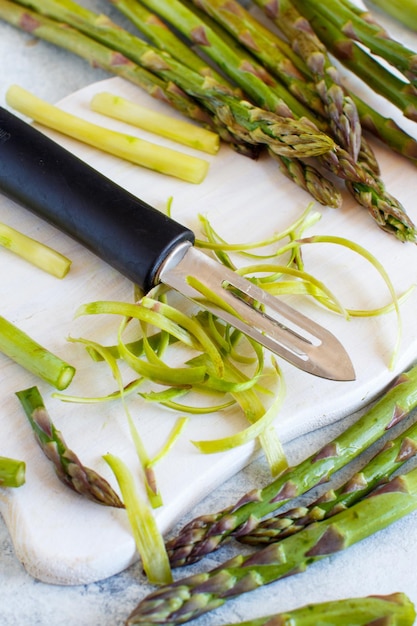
(68, 467)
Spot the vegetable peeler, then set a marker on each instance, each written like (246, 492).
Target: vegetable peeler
(149, 247)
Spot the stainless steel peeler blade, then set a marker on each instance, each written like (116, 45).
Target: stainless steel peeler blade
(266, 319)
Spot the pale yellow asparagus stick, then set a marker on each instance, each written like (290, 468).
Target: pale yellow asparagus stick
(167, 126)
(34, 251)
(152, 156)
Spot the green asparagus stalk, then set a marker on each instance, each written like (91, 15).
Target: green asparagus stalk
(395, 609)
(68, 467)
(386, 130)
(339, 106)
(163, 38)
(379, 469)
(100, 56)
(294, 138)
(34, 251)
(370, 33)
(384, 82)
(12, 472)
(405, 11)
(200, 593)
(133, 149)
(206, 533)
(29, 354)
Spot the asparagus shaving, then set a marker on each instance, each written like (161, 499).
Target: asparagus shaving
(34, 251)
(25, 351)
(176, 431)
(167, 126)
(138, 151)
(250, 433)
(380, 269)
(305, 283)
(69, 469)
(395, 609)
(149, 542)
(12, 472)
(215, 242)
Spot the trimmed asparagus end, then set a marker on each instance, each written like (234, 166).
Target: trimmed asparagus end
(138, 151)
(164, 125)
(25, 351)
(12, 472)
(35, 252)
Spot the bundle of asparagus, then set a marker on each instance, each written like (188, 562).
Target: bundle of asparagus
(364, 506)
(361, 179)
(187, 598)
(207, 533)
(287, 116)
(244, 121)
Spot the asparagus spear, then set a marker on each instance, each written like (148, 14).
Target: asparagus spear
(190, 597)
(68, 467)
(393, 455)
(206, 533)
(370, 33)
(405, 11)
(384, 82)
(395, 609)
(12, 472)
(25, 351)
(245, 121)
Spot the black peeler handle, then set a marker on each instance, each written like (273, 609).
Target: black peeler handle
(59, 187)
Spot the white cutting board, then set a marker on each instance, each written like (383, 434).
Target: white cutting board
(58, 536)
